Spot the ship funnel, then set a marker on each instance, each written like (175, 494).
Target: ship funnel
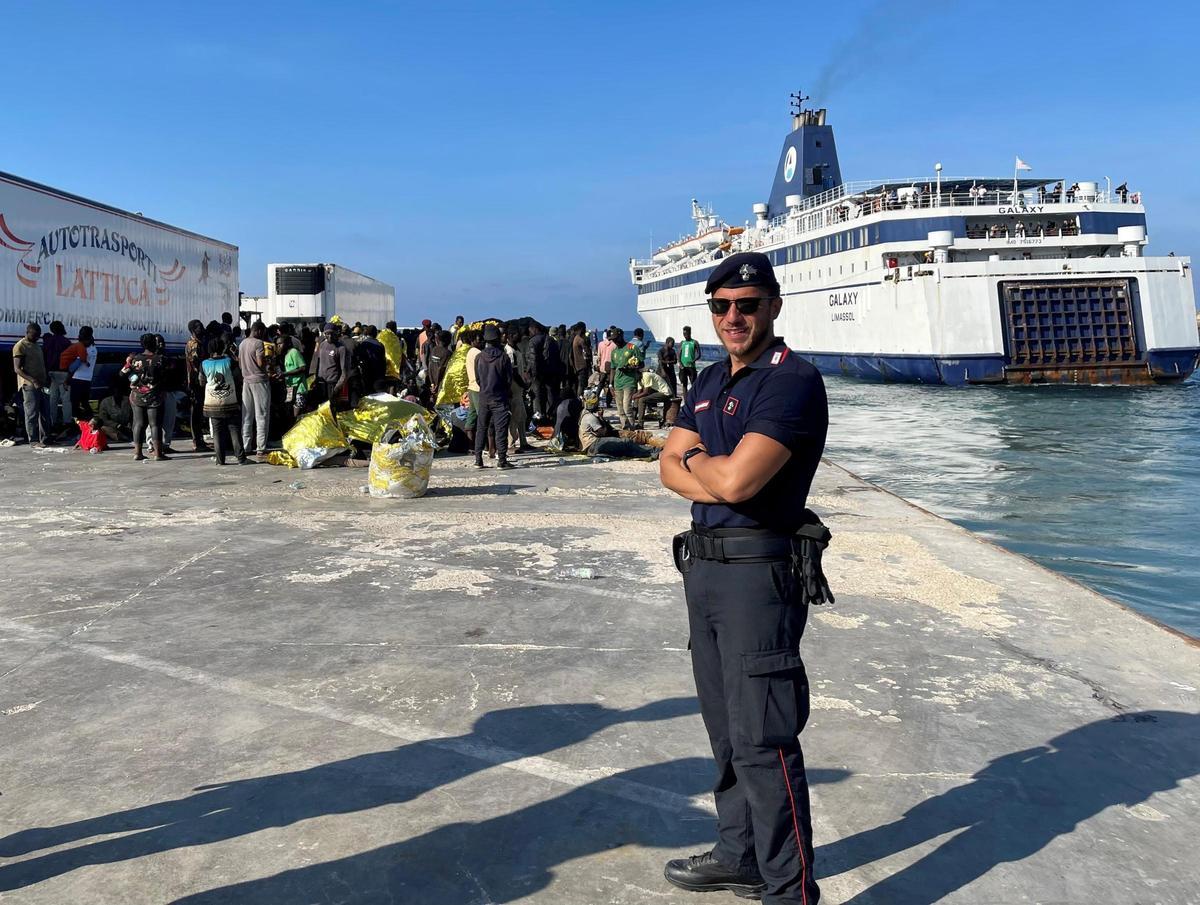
(808, 163)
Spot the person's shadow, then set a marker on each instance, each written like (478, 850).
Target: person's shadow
(1020, 802)
(510, 856)
(238, 807)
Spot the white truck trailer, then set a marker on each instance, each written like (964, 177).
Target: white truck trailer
(314, 293)
(69, 259)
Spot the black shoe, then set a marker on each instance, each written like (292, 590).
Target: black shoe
(704, 873)
(479, 463)
(506, 464)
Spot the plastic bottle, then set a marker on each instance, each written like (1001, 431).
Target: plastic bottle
(578, 572)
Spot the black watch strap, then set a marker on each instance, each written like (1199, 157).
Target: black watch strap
(694, 451)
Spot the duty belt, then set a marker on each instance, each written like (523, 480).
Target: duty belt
(750, 545)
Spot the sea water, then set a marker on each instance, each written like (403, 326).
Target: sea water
(1098, 483)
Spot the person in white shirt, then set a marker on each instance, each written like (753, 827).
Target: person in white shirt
(652, 391)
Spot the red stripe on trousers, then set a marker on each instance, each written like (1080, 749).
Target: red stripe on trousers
(796, 823)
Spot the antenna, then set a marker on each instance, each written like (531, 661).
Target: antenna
(797, 99)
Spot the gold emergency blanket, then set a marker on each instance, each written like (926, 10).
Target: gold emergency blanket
(393, 350)
(400, 470)
(367, 420)
(315, 438)
(454, 377)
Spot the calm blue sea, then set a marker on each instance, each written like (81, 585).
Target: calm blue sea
(1099, 483)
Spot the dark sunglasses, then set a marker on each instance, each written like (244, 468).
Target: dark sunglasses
(744, 306)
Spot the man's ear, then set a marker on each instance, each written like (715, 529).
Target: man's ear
(776, 307)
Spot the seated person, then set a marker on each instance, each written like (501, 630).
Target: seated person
(652, 391)
(115, 414)
(598, 438)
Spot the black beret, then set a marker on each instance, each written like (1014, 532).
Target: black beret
(748, 268)
(491, 333)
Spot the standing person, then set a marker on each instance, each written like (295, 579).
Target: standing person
(424, 337)
(438, 354)
(604, 351)
(80, 362)
(330, 366)
(371, 359)
(493, 377)
(34, 383)
(744, 451)
(643, 344)
(581, 358)
(519, 418)
(144, 373)
(474, 340)
(295, 381)
(172, 382)
(194, 353)
(535, 367)
(456, 328)
(667, 359)
(221, 401)
(626, 364)
(393, 348)
(689, 354)
(54, 345)
(256, 391)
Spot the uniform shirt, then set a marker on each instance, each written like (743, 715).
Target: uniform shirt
(780, 396)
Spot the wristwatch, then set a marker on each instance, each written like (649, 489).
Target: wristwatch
(694, 451)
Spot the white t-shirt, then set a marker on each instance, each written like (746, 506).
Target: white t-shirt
(84, 371)
(472, 380)
(651, 381)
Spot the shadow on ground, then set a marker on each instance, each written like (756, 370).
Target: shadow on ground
(1020, 802)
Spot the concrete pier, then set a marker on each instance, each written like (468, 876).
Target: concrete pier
(218, 688)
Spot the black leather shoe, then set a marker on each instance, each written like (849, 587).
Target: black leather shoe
(704, 873)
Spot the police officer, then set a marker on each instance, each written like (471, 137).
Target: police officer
(744, 449)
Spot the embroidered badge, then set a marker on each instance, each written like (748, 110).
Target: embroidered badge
(703, 406)
(747, 271)
(731, 406)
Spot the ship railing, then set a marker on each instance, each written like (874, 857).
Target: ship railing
(874, 196)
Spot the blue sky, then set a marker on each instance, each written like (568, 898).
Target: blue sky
(508, 159)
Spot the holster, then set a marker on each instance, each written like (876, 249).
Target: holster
(750, 545)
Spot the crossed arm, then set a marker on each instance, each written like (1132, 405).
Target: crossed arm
(720, 479)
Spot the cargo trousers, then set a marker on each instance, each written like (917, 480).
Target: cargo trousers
(746, 621)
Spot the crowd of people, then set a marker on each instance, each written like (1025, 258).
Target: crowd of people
(241, 388)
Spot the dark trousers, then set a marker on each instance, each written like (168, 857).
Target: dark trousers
(147, 416)
(687, 376)
(493, 414)
(545, 399)
(226, 431)
(196, 418)
(746, 621)
(81, 399)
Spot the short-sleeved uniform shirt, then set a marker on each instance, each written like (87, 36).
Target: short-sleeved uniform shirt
(781, 396)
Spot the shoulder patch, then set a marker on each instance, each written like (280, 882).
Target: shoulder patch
(780, 355)
(703, 405)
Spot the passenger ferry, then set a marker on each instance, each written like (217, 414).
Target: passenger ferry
(963, 280)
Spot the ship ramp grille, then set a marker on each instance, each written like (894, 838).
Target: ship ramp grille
(1068, 325)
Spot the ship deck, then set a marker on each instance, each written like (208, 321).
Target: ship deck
(220, 688)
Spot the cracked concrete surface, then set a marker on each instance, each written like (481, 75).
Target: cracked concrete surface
(215, 688)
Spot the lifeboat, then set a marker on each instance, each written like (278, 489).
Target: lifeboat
(692, 247)
(661, 256)
(711, 239)
(736, 230)
(674, 253)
